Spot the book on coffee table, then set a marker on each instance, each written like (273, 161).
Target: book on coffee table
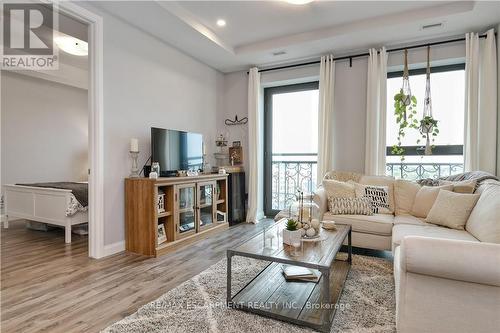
(296, 273)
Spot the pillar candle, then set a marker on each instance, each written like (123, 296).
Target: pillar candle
(134, 145)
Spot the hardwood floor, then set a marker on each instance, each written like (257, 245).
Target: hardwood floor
(47, 286)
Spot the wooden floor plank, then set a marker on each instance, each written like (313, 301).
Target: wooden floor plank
(47, 286)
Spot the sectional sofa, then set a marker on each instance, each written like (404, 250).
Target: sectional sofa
(447, 280)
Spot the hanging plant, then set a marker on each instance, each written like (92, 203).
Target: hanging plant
(428, 125)
(405, 110)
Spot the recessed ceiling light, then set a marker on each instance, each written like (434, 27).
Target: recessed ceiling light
(299, 2)
(72, 45)
(221, 23)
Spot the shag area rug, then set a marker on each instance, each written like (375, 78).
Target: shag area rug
(367, 303)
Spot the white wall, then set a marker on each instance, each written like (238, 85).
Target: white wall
(44, 130)
(498, 100)
(350, 97)
(147, 83)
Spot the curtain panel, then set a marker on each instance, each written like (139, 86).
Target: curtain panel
(254, 123)
(325, 116)
(376, 113)
(480, 103)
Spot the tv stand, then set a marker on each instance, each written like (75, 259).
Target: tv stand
(189, 209)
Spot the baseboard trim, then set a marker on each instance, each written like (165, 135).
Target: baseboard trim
(114, 248)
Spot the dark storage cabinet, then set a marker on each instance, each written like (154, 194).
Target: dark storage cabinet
(236, 198)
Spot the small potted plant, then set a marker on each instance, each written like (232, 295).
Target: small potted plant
(291, 234)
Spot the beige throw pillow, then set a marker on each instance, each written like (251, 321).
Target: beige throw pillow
(452, 209)
(424, 200)
(464, 186)
(336, 189)
(404, 196)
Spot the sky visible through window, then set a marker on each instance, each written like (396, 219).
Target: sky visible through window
(448, 98)
(295, 125)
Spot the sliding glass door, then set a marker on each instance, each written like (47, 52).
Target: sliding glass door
(290, 143)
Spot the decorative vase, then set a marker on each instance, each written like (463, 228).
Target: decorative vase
(290, 237)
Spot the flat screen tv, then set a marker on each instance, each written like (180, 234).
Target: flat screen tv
(176, 150)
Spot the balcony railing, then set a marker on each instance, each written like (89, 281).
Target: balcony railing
(290, 174)
(415, 171)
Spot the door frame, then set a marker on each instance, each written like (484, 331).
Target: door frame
(96, 114)
(268, 136)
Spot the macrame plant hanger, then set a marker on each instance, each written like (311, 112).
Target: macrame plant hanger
(426, 126)
(406, 83)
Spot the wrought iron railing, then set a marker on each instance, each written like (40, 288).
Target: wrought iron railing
(415, 171)
(289, 176)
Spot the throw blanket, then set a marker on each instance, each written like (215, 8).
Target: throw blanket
(79, 190)
(479, 176)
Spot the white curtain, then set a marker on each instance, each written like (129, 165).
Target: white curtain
(480, 103)
(253, 144)
(325, 116)
(376, 113)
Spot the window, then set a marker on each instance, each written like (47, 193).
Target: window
(448, 98)
(291, 143)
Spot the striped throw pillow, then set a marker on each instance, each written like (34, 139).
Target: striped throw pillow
(350, 206)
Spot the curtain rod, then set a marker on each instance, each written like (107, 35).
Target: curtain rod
(360, 55)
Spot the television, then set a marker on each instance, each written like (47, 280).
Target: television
(176, 150)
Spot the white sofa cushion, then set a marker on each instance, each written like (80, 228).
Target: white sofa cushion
(452, 209)
(336, 189)
(404, 196)
(381, 181)
(408, 219)
(484, 220)
(425, 198)
(378, 224)
(402, 230)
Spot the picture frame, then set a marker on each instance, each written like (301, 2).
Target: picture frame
(236, 155)
(162, 234)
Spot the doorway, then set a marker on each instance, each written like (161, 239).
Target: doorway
(290, 143)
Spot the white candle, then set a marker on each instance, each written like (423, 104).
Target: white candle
(204, 150)
(134, 145)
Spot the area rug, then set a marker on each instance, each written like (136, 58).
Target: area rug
(198, 305)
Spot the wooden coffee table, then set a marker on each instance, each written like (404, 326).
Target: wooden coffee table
(303, 303)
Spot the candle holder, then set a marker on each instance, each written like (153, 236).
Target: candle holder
(134, 172)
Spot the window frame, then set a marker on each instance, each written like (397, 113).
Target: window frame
(438, 149)
(268, 135)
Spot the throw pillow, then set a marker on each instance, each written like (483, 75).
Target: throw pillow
(378, 195)
(350, 206)
(464, 186)
(381, 181)
(452, 209)
(404, 196)
(336, 189)
(425, 199)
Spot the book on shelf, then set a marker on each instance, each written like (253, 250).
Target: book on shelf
(296, 273)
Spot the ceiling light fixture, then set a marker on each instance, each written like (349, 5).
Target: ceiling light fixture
(221, 23)
(299, 2)
(72, 45)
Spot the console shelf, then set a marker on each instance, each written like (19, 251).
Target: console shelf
(201, 197)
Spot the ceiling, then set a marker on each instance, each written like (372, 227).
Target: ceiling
(72, 70)
(257, 30)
